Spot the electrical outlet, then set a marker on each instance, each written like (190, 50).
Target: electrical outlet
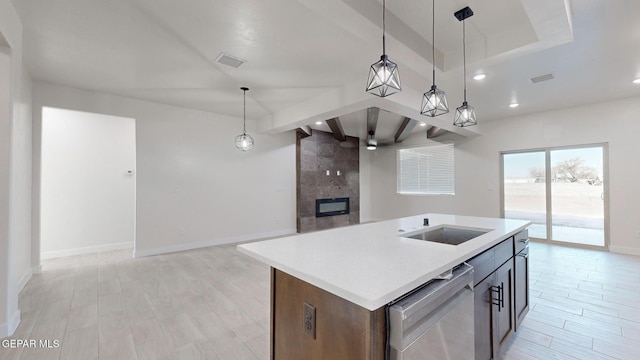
(309, 320)
(637, 234)
(181, 231)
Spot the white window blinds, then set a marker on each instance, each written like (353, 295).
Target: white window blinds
(426, 170)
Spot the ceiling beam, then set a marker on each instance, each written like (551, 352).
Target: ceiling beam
(405, 129)
(305, 131)
(434, 132)
(336, 128)
(372, 119)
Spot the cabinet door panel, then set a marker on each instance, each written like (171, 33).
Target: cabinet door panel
(484, 319)
(521, 285)
(506, 319)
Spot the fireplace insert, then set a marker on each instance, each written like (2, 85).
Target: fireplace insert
(332, 207)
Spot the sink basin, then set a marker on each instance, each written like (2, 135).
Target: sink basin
(448, 235)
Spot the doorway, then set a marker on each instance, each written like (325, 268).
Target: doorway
(88, 183)
(562, 191)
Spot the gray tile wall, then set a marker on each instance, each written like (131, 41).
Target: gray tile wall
(314, 156)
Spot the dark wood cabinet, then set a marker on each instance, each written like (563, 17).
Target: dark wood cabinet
(343, 330)
(501, 294)
(484, 320)
(504, 293)
(522, 285)
(494, 312)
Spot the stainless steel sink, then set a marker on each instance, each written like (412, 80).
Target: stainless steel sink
(448, 235)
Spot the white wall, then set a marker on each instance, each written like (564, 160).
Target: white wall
(5, 179)
(194, 188)
(477, 165)
(14, 170)
(87, 195)
(20, 215)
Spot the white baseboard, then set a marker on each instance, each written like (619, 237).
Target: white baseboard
(202, 244)
(624, 250)
(9, 328)
(85, 250)
(24, 279)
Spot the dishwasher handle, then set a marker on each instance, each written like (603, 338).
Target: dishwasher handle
(429, 296)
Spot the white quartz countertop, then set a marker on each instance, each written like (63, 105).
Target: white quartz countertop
(373, 264)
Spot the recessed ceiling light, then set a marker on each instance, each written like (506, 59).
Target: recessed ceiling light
(636, 81)
(514, 105)
(479, 76)
(318, 122)
(423, 124)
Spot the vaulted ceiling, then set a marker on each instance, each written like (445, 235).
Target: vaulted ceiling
(307, 60)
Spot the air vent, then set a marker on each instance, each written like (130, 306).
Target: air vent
(226, 59)
(541, 78)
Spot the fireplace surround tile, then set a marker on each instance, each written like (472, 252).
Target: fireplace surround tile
(315, 155)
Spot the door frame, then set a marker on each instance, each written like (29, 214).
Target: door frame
(38, 120)
(548, 216)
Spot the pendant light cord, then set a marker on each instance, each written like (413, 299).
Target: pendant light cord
(464, 58)
(384, 8)
(244, 112)
(433, 40)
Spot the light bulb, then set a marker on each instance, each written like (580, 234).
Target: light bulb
(383, 74)
(434, 101)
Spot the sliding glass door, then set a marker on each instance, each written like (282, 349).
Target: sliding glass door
(525, 190)
(577, 195)
(560, 190)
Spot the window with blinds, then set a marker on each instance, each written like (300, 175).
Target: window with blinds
(426, 170)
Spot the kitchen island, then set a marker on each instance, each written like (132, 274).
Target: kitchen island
(348, 275)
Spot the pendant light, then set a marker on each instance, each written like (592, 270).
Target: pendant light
(244, 142)
(372, 143)
(434, 101)
(384, 79)
(465, 114)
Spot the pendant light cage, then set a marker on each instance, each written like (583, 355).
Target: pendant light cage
(244, 142)
(465, 114)
(434, 101)
(383, 79)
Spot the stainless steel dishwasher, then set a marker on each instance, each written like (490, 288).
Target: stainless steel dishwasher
(436, 320)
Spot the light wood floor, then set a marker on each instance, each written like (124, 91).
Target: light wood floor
(213, 303)
(585, 304)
